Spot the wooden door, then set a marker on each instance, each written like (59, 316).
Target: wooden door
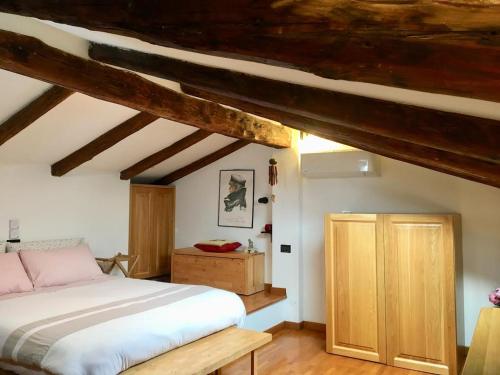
(420, 292)
(163, 213)
(141, 230)
(151, 232)
(355, 286)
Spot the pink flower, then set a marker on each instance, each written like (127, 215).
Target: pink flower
(495, 297)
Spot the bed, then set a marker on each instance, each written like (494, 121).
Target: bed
(107, 325)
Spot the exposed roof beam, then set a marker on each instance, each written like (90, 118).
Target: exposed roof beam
(102, 143)
(31, 57)
(164, 154)
(461, 134)
(442, 161)
(32, 112)
(203, 162)
(450, 47)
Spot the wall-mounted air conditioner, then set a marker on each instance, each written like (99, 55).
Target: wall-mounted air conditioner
(340, 164)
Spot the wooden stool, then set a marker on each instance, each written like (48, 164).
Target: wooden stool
(107, 264)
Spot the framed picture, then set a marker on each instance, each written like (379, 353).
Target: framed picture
(236, 196)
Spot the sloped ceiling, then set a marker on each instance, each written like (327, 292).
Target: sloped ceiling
(80, 119)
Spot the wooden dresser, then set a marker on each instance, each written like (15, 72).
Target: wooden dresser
(235, 271)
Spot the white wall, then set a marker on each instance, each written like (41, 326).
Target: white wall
(287, 271)
(406, 188)
(198, 196)
(93, 206)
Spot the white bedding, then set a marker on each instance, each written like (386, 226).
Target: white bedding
(106, 326)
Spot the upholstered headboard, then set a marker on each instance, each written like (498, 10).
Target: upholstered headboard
(43, 245)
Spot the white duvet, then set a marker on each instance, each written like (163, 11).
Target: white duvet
(107, 326)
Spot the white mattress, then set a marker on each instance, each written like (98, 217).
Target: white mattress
(109, 325)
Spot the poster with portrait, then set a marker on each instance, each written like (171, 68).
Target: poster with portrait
(236, 196)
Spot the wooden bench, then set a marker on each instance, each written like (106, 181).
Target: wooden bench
(207, 355)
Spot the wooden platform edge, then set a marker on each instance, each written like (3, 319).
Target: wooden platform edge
(260, 300)
(311, 326)
(274, 290)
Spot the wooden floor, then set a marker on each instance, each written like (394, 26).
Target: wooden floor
(302, 352)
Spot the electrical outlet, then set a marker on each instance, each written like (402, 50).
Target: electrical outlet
(286, 249)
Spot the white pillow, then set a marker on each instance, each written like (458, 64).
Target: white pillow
(2, 247)
(44, 245)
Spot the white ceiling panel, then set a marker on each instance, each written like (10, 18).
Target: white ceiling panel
(67, 127)
(16, 91)
(209, 145)
(154, 137)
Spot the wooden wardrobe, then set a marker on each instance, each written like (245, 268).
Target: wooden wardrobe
(391, 289)
(151, 232)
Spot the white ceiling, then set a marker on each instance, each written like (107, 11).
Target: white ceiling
(80, 119)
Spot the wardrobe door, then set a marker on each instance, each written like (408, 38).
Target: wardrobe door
(141, 230)
(163, 229)
(420, 292)
(151, 238)
(355, 286)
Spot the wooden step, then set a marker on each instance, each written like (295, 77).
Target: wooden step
(269, 296)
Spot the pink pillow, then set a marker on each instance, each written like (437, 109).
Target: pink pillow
(60, 266)
(13, 278)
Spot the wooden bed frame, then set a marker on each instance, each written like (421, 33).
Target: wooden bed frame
(205, 356)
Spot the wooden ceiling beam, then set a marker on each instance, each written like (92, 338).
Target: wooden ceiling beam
(32, 112)
(441, 161)
(203, 162)
(450, 47)
(31, 57)
(452, 132)
(102, 143)
(399, 17)
(162, 155)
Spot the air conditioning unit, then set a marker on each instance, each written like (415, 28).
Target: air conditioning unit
(340, 164)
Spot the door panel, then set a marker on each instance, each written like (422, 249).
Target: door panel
(419, 293)
(355, 278)
(163, 214)
(141, 230)
(151, 237)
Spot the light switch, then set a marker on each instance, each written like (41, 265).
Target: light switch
(13, 229)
